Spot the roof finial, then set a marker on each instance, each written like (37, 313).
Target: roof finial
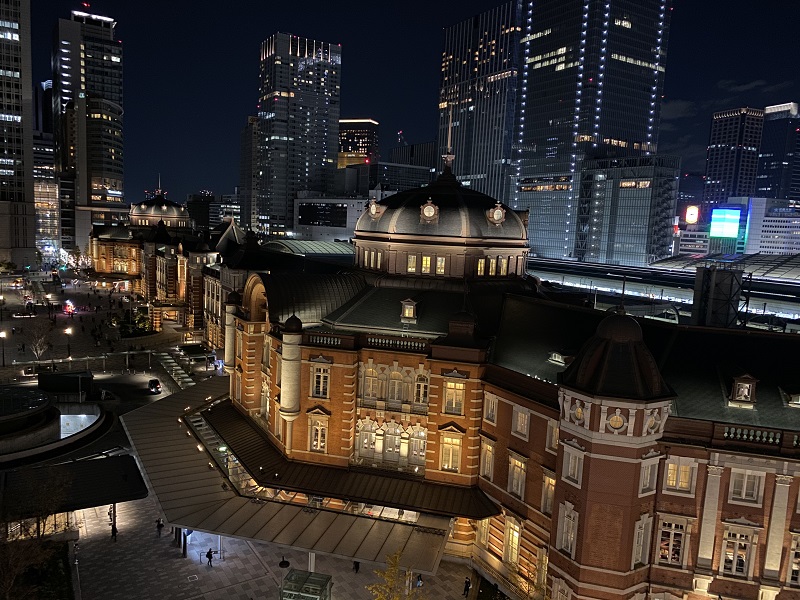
(159, 184)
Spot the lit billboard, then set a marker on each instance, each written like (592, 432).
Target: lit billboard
(692, 214)
(725, 222)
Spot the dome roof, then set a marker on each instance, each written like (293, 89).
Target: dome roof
(445, 208)
(159, 207)
(293, 325)
(616, 362)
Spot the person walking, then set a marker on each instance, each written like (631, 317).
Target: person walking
(209, 556)
(159, 526)
(356, 566)
(114, 532)
(467, 586)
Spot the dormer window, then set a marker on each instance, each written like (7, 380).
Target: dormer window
(557, 358)
(743, 392)
(409, 311)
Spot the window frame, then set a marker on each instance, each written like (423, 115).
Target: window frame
(321, 382)
(521, 422)
(451, 445)
(679, 462)
(548, 493)
(411, 263)
(517, 474)
(553, 433)
(318, 424)
(642, 534)
(425, 266)
(511, 531)
(441, 265)
(572, 472)
(567, 535)
(648, 476)
(672, 527)
(738, 536)
(490, 404)
(487, 459)
(746, 475)
(454, 394)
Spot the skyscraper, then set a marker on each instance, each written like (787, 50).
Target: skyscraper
(477, 97)
(17, 212)
(732, 157)
(591, 86)
(45, 186)
(299, 124)
(358, 142)
(249, 140)
(87, 106)
(779, 155)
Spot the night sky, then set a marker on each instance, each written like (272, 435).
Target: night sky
(191, 72)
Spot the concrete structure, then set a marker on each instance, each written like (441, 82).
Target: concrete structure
(478, 96)
(17, 208)
(298, 125)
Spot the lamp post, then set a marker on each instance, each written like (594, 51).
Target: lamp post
(68, 331)
(2, 305)
(3, 340)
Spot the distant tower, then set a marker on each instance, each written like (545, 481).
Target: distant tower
(779, 156)
(299, 124)
(45, 186)
(732, 158)
(477, 94)
(17, 211)
(592, 75)
(358, 142)
(248, 174)
(87, 106)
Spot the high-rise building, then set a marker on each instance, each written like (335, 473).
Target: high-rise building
(299, 124)
(631, 209)
(17, 209)
(477, 97)
(779, 156)
(592, 76)
(88, 115)
(419, 155)
(358, 142)
(45, 185)
(732, 157)
(248, 174)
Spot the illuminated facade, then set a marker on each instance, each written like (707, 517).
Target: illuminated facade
(779, 155)
(88, 107)
(358, 142)
(45, 189)
(298, 125)
(732, 157)
(477, 97)
(17, 208)
(591, 84)
(626, 209)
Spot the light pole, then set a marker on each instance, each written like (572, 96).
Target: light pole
(2, 305)
(68, 331)
(3, 339)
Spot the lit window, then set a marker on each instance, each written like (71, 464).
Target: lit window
(412, 263)
(319, 435)
(503, 264)
(481, 266)
(321, 379)
(516, 476)
(372, 259)
(487, 459)
(426, 264)
(365, 438)
(511, 541)
(552, 435)
(490, 408)
(417, 443)
(395, 387)
(794, 561)
(737, 546)
(440, 263)
(671, 543)
(421, 390)
(548, 493)
(454, 397)
(679, 476)
(746, 486)
(492, 266)
(483, 531)
(451, 453)
(520, 422)
(379, 259)
(567, 528)
(370, 383)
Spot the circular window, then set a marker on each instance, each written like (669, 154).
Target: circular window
(653, 422)
(578, 413)
(429, 210)
(498, 214)
(616, 422)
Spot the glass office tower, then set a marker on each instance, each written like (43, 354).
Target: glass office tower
(590, 88)
(299, 125)
(477, 97)
(779, 156)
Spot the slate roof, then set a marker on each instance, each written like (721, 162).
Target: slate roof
(305, 247)
(262, 460)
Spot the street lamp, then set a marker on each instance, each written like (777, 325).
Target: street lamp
(68, 331)
(3, 339)
(2, 305)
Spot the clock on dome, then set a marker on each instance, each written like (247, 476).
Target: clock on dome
(497, 214)
(429, 212)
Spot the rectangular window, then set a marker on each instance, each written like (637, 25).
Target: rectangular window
(568, 529)
(572, 467)
(487, 459)
(440, 262)
(503, 263)
(454, 397)
(520, 422)
(379, 260)
(736, 557)
(490, 408)
(451, 453)
(319, 436)
(647, 477)
(481, 266)
(679, 476)
(746, 486)
(320, 384)
(552, 436)
(492, 266)
(641, 541)
(671, 543)
(548, 493)
(511, 541)
(794, 561)
(426, 264)
(483, 531)
(516, 476)
(412, 263)
(421, 390)
(372, 259)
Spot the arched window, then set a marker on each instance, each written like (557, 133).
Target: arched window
(421, 390)
(417, 444)
(365, 441)
(391, 442)
(370, 383)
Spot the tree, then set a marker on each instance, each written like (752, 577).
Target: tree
(39, 338)
(393, 584)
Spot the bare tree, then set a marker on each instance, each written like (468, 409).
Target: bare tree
(39, 338)
(393, 584)
(17, 558)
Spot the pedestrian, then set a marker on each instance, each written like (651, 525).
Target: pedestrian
(419, 580)
(114, 532)
(356, 566)
(159, 526)
(23, 346)
(209, 556)
(467, 587)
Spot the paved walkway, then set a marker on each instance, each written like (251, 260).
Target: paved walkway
(142, 565)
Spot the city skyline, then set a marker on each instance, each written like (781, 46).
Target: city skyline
(166, 59)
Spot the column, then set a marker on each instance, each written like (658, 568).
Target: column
(777, 527)
(708, 524)
(230, 337)
(291, 358)
(312, 562)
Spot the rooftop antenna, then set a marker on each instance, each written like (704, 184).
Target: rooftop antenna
(449, 157)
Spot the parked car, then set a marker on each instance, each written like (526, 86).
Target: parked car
(154, 385)
(33, 370)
